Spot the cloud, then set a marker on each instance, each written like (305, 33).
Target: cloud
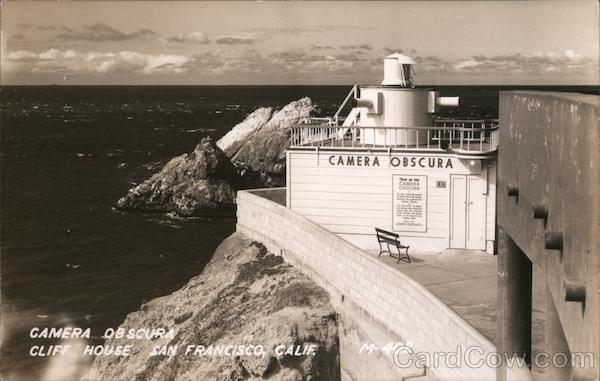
(293, 31)
(299, 61)
(314, 31)
(47, 28)
(235, 40)
(400, 50)
(287, 65)
(43, 28)
(71, 61)
(104, 32)
(322, 47)
(345, 27)
(301, 58)
(360, 47)
(22, 55)
(244, 64)
(193, 37)
(305, 29)
(236, 62)
(572, 55)
(295, 55)
(432, 64)
(538, 62)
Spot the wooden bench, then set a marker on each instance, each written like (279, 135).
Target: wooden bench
(389, 238)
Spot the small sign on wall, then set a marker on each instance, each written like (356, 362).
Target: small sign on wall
(409, 204)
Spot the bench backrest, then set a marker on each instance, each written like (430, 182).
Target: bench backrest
(386, 234)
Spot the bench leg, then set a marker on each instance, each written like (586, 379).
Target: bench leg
(400, 254)
(380, 249)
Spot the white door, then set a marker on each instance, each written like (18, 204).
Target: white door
(458, 211)
(467, 228)
(475, 213)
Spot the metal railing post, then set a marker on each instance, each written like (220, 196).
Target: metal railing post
(374, 137)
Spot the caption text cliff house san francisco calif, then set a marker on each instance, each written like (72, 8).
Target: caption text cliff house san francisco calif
(288, 191)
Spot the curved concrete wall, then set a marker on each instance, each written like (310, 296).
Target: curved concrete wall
(389, 298)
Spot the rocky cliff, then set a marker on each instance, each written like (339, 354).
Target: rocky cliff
(262, 138)
(245, 296)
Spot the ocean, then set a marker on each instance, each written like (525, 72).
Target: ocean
(67, 153)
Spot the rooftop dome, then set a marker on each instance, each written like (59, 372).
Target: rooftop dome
(402, 59)
(397, 70)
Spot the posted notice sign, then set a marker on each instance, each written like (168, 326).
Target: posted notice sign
(409, 203)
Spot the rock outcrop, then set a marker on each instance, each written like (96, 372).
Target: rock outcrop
(233, 140)
(245, 296)
(252, 179)
(203, 182)
(260, 141)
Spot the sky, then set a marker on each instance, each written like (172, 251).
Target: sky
(312, 42)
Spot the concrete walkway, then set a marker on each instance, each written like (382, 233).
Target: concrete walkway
(466, 280)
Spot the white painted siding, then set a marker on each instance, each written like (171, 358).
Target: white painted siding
(352, 200)
(402, 107)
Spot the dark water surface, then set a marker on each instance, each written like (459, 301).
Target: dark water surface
(67, 155)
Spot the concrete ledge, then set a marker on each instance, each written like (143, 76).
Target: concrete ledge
(389, 298)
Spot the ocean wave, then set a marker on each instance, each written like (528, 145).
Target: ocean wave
(152, 166)
(175, 216)
(166, 222)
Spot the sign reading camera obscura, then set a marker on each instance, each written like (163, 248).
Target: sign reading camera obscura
(409, 204)
(394, 161)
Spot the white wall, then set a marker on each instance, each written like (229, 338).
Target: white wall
(352, 200)
(400, 107)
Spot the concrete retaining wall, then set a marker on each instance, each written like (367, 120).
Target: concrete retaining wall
(550, 159)
(389, 298)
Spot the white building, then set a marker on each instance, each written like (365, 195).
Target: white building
(389, 164)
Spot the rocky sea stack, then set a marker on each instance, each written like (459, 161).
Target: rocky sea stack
(262, 138)
(245, 296)
(204, 182)
(200, 183)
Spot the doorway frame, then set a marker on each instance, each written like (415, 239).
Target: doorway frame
(483, 178)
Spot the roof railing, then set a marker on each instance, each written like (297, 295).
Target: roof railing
(466, 138)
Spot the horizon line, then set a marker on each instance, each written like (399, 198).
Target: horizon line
(288, 85)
